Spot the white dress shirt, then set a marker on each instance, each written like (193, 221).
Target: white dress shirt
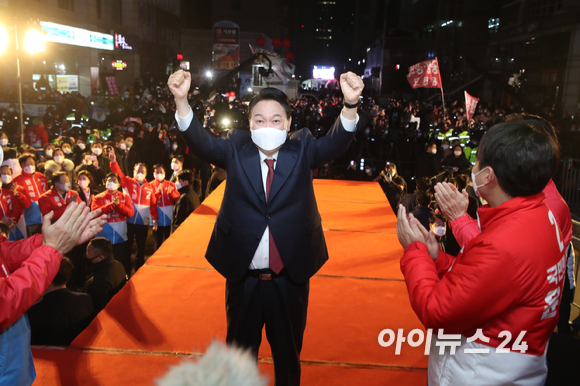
(261, 258)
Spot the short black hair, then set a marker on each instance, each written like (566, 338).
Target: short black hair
(424, 198)
(138, 165)
(56, 177)
(24, 157)
(461, 181)
(64, 272)
(271, 94)
(113, 175)
(158, 166)
(179, 158)
(534, 120)
(523, 156)
(436, 216)
(185, 175)
(423, 184)
(102, 244)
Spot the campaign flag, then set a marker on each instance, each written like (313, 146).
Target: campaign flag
(112, 85)
(470, 104)
(425, 74)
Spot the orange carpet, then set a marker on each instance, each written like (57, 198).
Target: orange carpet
(175, 305)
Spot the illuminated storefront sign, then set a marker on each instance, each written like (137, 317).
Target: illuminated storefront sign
(58, 33)
(121, 43)
(119, 65)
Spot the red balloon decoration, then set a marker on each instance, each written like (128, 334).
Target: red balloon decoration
(261, 42)
(286, 43)
(276, 42)
(289, 56)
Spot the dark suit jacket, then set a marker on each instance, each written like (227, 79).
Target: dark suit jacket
(59, 316)
(291, 211)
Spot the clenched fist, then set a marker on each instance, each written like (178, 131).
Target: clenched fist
(352, 86)
(179, 83)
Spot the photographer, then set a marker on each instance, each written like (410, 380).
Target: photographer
(393, 185)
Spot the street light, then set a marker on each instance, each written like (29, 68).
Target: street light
(33, 42)
(209, 74)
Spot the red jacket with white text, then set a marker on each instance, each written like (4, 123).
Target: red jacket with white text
(116, 227)
(35, 186)
(165, 201)
(508, 278)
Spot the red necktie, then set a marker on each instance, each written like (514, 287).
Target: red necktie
(276, 263)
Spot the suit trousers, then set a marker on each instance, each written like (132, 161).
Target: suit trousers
(161, 234)
(139, 234)
(281, 305)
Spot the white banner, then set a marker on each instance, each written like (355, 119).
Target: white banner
(282, 70)
(32, 110)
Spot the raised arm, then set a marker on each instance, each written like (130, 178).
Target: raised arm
(203, 144)
(336, 142)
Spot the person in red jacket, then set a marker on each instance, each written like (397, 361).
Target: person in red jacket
(501, 294)
(37, 135)
(27, 267)
(35, 185)
(167, 195)
(21, 200)
(58, 197)
(117, 206)
(145, 202)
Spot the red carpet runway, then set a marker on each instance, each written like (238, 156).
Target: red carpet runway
(175, 306)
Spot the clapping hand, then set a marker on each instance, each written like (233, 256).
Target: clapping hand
(452, 203)
(66, 233)
(352, 87)
(112, 157)
(410, 230)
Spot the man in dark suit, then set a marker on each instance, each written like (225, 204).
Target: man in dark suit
(268, 239)
(188, 201)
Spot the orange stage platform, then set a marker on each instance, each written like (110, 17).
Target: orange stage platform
(175, 306)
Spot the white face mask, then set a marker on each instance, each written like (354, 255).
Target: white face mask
(66, 187)
(457, 153)
(3, 142)
(97, 151)
(139, 177)
(66, 150)
(83, 184)
(160, 136)
(123, 146)
(445, 147)
(49, 153)
(112, 186)
(475, 186)
(58, 159)
(174, 166)
(434, 151)
(128, 144)
(269, 138)
(6, 179)
(439, 231)
(81, 146)
(30, 169)
(178, 185)
(159, 177)
(174, 146)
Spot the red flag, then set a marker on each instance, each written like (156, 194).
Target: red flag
(470, 104)
(112, 85)
(425, 74)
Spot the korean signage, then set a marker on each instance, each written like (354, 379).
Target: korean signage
(226, 48)
(58, 33)
(225, 35)
(67, 83)
(112, 85)
(121, 43)
(119, 65)
(470, 104)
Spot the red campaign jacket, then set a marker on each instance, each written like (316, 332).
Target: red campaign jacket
(9, 205)
(52, 201)
(143, 197)
(114, 214)
(510, 277)
(165, 199)
(26, 270)
(34, 184)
